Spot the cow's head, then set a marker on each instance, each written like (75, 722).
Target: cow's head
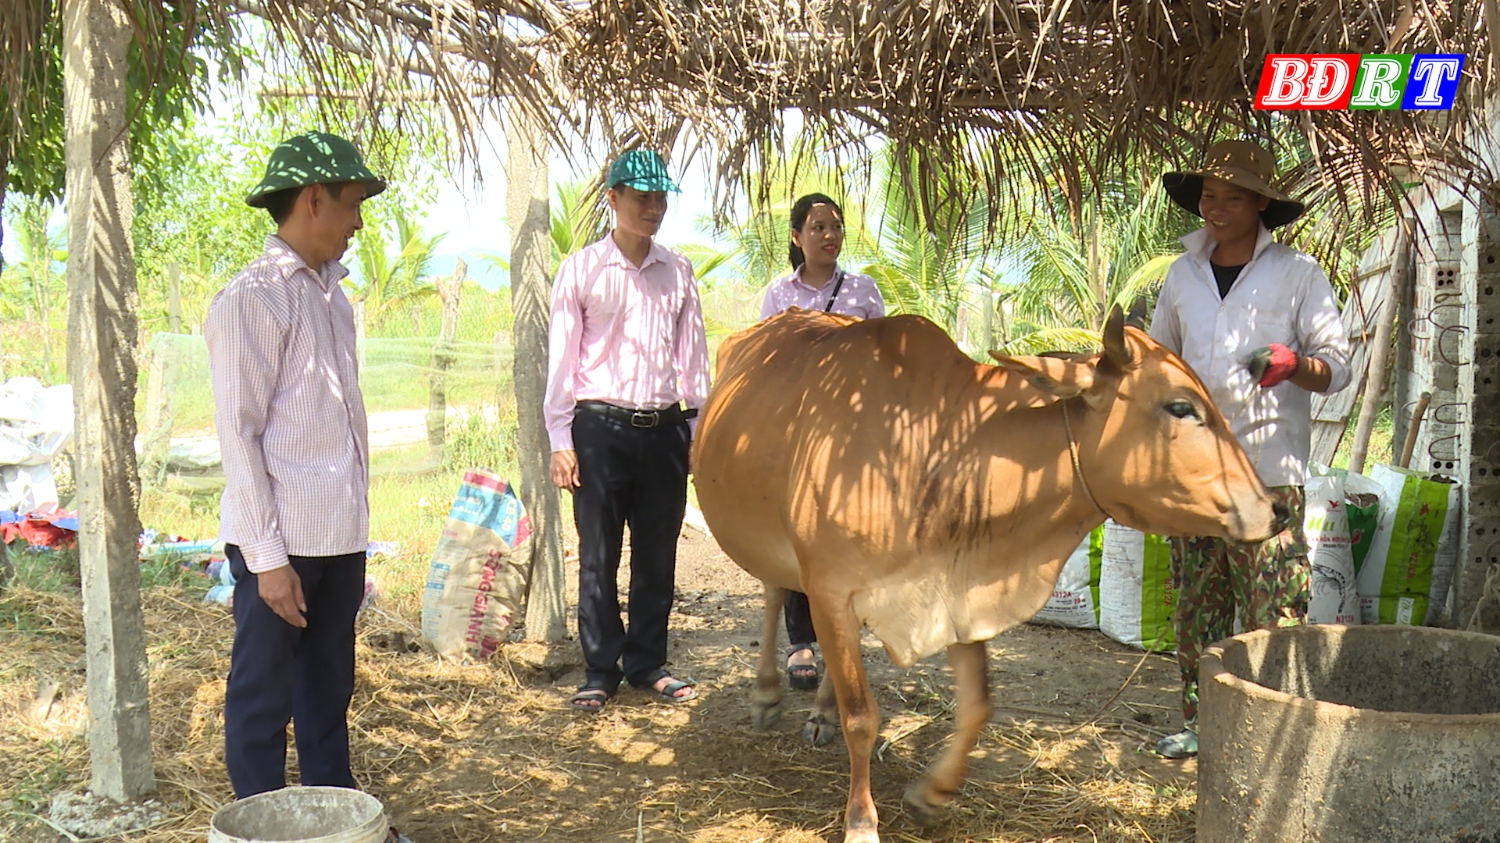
(1155, 452)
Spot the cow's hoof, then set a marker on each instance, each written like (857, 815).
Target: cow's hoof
(765, 715)
(820, 731)
(923, 806)
(861, 835)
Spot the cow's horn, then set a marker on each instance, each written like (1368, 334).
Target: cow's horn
(1116, 348)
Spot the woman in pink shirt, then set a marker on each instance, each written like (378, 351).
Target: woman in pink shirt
(816, 283)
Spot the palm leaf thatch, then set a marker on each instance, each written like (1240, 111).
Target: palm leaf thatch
(988, 95)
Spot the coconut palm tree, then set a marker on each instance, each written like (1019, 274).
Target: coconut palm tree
(1069, 270)
(931, 259)
(387, 278)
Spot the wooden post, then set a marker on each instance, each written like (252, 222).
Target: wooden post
(1380, 351)
(1417, 414)
(102, 299)
(156, 439)
(174, 298)
(7, 569)
(530, 296)
(442, 359)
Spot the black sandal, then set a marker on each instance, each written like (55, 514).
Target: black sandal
(591, 698)
(802, 677)
(668, 693)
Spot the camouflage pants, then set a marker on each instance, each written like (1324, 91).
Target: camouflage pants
(1268, 582)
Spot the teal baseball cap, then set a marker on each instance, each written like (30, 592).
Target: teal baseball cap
(641, 169)
(313, 158)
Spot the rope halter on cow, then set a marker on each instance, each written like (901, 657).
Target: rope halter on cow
(1078, 466)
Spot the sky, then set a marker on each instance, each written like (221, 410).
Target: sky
(474, 216)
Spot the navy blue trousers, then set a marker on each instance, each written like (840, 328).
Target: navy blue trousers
(799, 625)
(636, 476)
(279, 674)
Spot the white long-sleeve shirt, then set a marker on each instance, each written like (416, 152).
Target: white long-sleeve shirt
(291, 418)
(1281, 296)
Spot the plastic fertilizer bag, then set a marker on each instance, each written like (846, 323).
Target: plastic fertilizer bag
(1075, 598)
(1326, 524)
(1362, 506)
(1405, 576)
(477, 579)
(1136, 597)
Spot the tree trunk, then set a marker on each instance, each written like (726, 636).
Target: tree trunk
(530, 295)
(101, 365)
(156, 439)
(442, 359)
(174, 298)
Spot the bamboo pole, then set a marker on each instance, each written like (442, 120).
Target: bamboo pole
(1380, 352)
(1417, 413)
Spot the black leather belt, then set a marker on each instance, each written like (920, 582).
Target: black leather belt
(638, 418)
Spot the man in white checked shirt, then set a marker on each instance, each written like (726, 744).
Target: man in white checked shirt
(295, 514)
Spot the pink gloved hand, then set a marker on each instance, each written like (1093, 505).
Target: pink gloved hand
(1272, 364)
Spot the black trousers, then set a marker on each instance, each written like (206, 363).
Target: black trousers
(279, 673)
(799, 626)
(636, 476)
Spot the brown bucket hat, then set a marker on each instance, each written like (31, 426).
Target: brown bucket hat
(1242, 164)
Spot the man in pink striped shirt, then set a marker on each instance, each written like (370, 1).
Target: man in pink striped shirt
(627, 371)
(295, 515)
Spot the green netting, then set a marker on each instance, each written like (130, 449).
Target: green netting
(402, 364)
(405, 371)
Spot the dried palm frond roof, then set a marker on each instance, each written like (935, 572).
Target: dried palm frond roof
(967, 92)
(1056, 87)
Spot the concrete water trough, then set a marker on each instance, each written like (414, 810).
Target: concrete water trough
(1359, 734)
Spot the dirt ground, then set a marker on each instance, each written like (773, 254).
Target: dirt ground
(490, 752)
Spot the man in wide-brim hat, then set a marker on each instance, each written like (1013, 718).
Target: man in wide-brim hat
(1258, 322)
(295, 517)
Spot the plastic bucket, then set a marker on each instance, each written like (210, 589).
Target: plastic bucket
(301, 815)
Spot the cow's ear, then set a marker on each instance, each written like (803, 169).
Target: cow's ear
(1117, 348)
(1057, 378)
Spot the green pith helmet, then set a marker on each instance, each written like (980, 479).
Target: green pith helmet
(313, 158)
(641, 169)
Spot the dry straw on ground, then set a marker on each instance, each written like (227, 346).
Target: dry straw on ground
(488, 752)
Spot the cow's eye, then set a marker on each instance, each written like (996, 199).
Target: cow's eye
(1183, 410)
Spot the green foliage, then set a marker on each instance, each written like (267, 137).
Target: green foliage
(386, 280)
(928, 258)
(578, 218)
(1382, 441)
(39, 570)
(478, 441)
(1073, 268)
(167, 81)
(198, 221)
(33, 293)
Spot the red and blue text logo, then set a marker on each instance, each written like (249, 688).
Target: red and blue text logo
(1328, 82)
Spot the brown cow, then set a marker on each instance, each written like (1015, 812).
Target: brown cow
(932, 499)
